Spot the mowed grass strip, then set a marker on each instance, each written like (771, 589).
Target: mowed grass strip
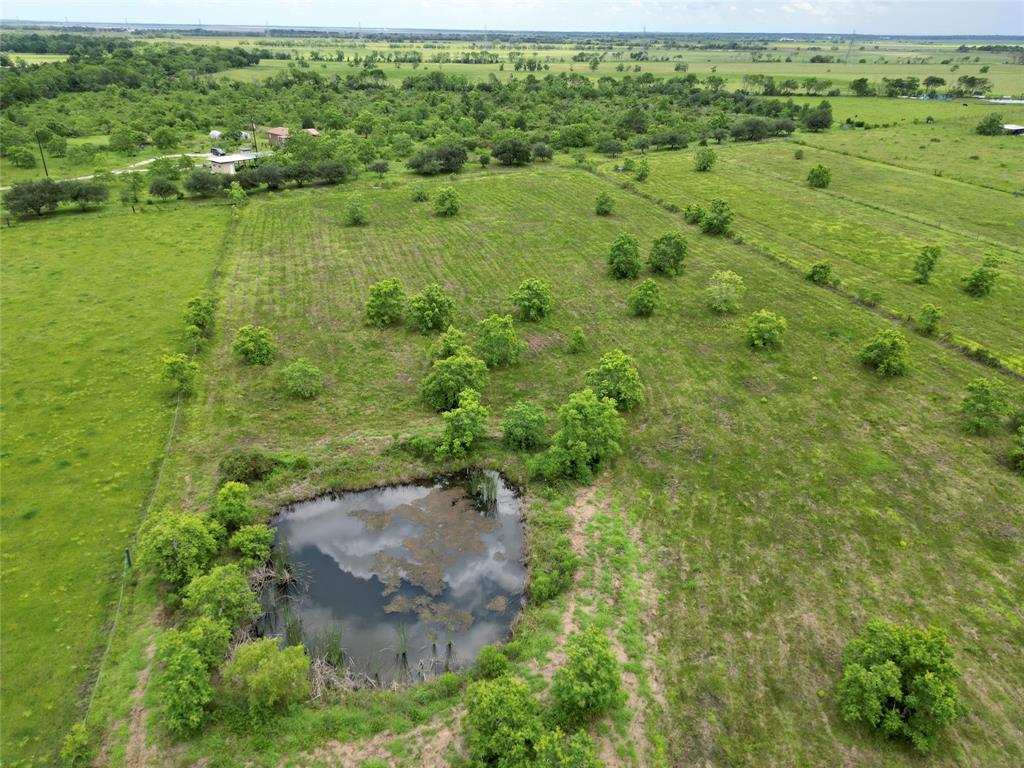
(89, 304)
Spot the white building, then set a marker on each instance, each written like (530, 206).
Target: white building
(229, 163)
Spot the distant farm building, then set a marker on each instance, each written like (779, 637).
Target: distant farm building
(1013, 129)
(277, 135)
(229, 164)
(311, 131)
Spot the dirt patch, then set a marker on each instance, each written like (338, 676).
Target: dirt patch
(137, 754)
(538, 343)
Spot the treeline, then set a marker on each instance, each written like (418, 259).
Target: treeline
(63, 43)
(40, 197)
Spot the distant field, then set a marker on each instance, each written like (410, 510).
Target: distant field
(89, 302)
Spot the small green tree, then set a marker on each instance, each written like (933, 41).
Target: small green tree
(223, 594)
(556, 750)
(533, 299)
(232, 507)
(181, 371)
(590, 431)
(451, 342)
(491, 663)
(643, 169)
(302, 379)
(604, 204)
(463, 426)
(667, 254)
(77, 750)
(624, 257)
(355, 212)
(484, 159)
(991, 125)
(524, 426)
(254, 345)
(819, 177)
(694, 214)
(211, 637)
(577, 341)
(176, 546)
(447, 202)
(820, 273)
(617, 377)
(704, 159)
(717, 219)
(263, 678)
(589, 684)
(928, 318)
(199, 312)
(980, 281)
(985, 405)
(644, 299)
(925, 262)
(886, 353)
(236, 195)
(386, 303)
(502, 723)
(252, 542)
(163, 188)
(448, 377)
(497, 343)
(765, 330)
(420, 194)
(183, 685)
(725, 291)
(901, 681)
(430, 310)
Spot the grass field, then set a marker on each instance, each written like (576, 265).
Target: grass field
(784, 498)
(86, 314)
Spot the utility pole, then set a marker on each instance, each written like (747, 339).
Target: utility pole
(255, 146)
(42, 156)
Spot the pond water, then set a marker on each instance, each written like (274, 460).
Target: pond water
(416, 578)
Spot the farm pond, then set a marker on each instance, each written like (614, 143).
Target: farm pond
(404, 582)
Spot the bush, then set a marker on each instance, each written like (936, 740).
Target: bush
(533, 299)
(303, 380)
(1017, 452)
(181, 371)
(643, 169)
(523, 428)
(247, 466)
(991, 125)
(502, 723)
(717, 219)
(616, 376)
(604, 204)
(199, 312)
(484, 159)
(21, 157)
(624, 257)
(448, 377)
(980, 281)
(555, 750)
(451, 342)
(430, 310)
(798, 154)
(163, 188)
(667, 255)
(202, 183)
(694, 214)
(590, 431)
(386, 303)
(252, 542)
(223, 594)
(819, 177)
(497, 343)
(254, 345)
(420, 194)
(183, 686)
(928, 319)
(924, 263)
(552, 560)
(231, 507)
(447, 201)
(577, 341)
(644, 299)
(820, 273)
(491, 663)
(76, 751)
(264, 679)
(177, 547)
(901, 681)
(704, 159)
(355, 212)
(765, 330)
(985, 405)
(511, 149)
(589, 684)
(444, 158)
(725, 291)
(463, 426)
(211, 637)
(886, 353)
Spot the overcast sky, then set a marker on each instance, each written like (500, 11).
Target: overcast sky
(908, 17)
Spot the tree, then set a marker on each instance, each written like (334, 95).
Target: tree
(610, 146)
(861, 87)
(717, 219)
(925, 262)
(604, 204)
(355, 212)
(985, 405)
(820, 273)
(236, 196)
(590, 431)
(463, 426)
(590, 682)
(497, 343)
(222, 594)
(199, 312)
(183, 685)
(231, 506)
(928, 318)
(442, 158)
(85, 194)
(667, 254)
(819, 177)
(819, 119)
(624, 257)
(502, 723)
(577, 341)
(980, 281)
(491, 663)
(302, 379)
(447, 202)
(380, 167)
(254, 345)
(533, 299)
(644, 299)
(449, 343)
(484, 159)
(991, 125)
(163, 188)
(253, 543)
(704, 159)
(643, 169)
(886, 353)
(386, 303)
(176, 547)
(202, 183)
(165, 137)
(181, 371)
(765, 330)
(511, 149)
(33, 197)
(725, 291)
(901, 681)
(617, 377)
(448, 377)
(523, 428)
(124, 140)
(264, 678)
(21, 157)
(430, 310)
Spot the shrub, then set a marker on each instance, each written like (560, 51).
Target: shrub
(533, 299)
(430, 310)
(704, 159)
(523, 428)
(616, 376)
(624, 257)
(511, 149)
(199, 312)
(420, 194)
(1017, 452)
(555, 750)
(222, 594)
(717, 219)
(177, 547)
(181, 371)
(252, 542)
(231, 507)
(484, 159)
(694, 213)
(590, 430)
(819, 177)
(76, 750)
(667, 254)
(386, 303)
(254, 344)
(247, 465)
(604, 204)
(463, 426)
(202, 183)
(211, 637)
(820, 273)
(502, 723)
(886, 353)
(303, 380)
(925, 262)
(491, 663)
(183, 685)
(900, 681)
(643, 169)
(21, 157)
(589, 684)
(163, 188)
(765, 330)
(928, 319)
(991, 125)
(553, 560)
(448, 377)
(443, 158)
(447, 202)
(725, 291)
(497, 343)
(355, 212)
(798, 154)
(263, 678)
(577, 341)
(980, 281)
(985, 405)
(644, 299)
